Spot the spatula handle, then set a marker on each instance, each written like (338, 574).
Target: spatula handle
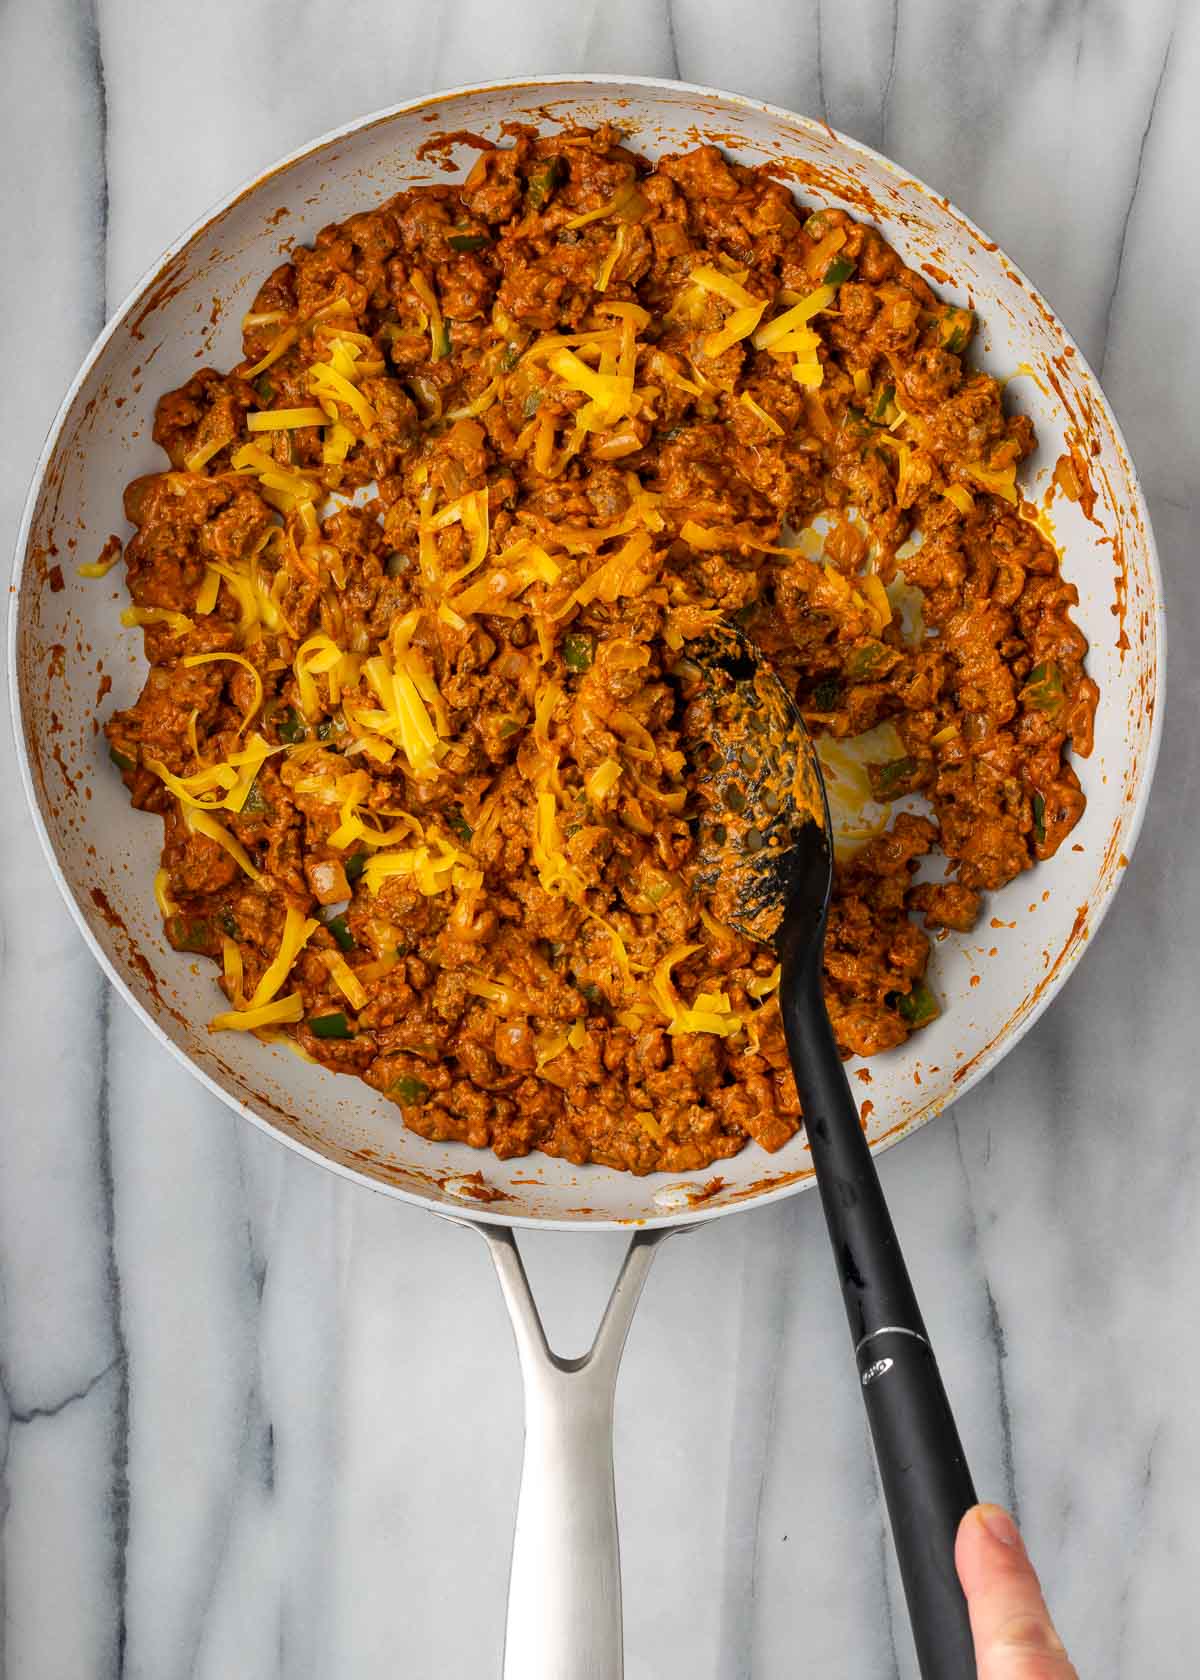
(924, 1472)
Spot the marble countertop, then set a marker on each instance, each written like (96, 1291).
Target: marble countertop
(258, 1422)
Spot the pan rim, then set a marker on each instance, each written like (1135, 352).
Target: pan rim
(1006, 1039)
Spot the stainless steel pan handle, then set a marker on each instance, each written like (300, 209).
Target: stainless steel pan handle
(564, 1596)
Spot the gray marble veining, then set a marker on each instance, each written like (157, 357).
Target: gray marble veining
(254, 1422)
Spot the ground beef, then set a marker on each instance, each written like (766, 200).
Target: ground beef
(417, 586)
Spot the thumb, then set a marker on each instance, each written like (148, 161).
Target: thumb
(1014, 1636)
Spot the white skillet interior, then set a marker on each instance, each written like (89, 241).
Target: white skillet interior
(67, 637)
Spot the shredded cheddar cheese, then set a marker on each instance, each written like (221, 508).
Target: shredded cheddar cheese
(319, 655)
(180, 623)
(345, 979)
(333, 388)
(615, 252)
(1002, 482)
(201, 822)
(209, 590)
(99, 568)
(237, 659)
(556, 873)
(282, 1012)
(406, 692)
(203, 454)
(233, 970)
(162, 897)
(618, 575)
(285, 419)
(876, 596)
(759, 413)
(600, 782)
(960, 497)
(739, 325)
(761, 988)
(297, 931)
(233, 776)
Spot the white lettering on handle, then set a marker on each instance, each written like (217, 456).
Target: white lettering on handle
(876, 1370)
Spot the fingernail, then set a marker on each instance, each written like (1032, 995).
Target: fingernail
(999, 1525)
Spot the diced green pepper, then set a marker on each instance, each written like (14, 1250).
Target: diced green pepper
(354, 866)
(330, 1026)
(226, 922)
(870, 660)
(188, 933)
(340, 929)
(919, 1006)
(460, 826)
(956, 329)
(122, 760)
(578, 652)
(289, 725)
(826, 694)
(589, 991)
(255, 804)
(533, 401)
(883, 406)
(466, 241)
(408, 1089)
(439, 340)
(1039, 819)
(543, 178)
(264, 388)
(891, 780)
(396, 564)
(331, 726)
(841, 268)
(854, 421)
(816, 227)
(657, 886)
(1044, 690)
(510, 358)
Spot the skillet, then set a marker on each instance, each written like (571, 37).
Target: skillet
(65, 635)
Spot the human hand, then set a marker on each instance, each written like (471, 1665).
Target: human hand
(1014, 1636)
